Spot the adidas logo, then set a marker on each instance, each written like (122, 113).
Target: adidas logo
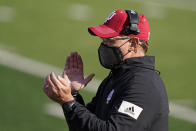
(130, 110)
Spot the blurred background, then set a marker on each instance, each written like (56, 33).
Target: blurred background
(37, 35)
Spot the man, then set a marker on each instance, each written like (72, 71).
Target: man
(131, 98)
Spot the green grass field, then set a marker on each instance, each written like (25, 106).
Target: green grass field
(44, 30)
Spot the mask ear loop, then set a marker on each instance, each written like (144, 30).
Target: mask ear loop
(124, 44)
(126, 53)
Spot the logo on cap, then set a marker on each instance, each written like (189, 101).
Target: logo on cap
(110, 17)
(133, 12)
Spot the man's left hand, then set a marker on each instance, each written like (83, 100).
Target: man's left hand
(57, 89)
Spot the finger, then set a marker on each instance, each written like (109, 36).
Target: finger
(72, 60)
(45, 82)
(63, 81)
(65, 76)
(88, 79)
(49, 81)
(75, 60)
(45, 91)
(48, 91)
(55, 81)
(80, 63)
(51, 87)
(67, 66)
(44, 86)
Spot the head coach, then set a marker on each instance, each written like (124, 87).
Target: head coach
(131, 98)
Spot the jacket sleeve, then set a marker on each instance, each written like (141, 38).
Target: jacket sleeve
(119, 120)
(79, 98)
(90, 106)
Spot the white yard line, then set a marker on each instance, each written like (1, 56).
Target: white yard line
(182, 112)
(54, 109)
(24, 64)
(6, 14)
(178, 4)
(39, 69)
(154, 10)
(79, 12)
(158, 9)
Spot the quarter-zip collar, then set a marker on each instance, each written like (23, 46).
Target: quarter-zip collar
(147, 62)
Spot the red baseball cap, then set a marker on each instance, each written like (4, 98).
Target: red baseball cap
(116, 22)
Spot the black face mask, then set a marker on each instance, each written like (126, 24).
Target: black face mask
(110, 57)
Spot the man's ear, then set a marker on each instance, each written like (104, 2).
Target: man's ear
(134, 44)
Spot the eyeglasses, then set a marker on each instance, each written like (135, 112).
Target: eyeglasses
(113, 39)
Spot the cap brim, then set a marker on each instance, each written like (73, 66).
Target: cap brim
(102, 31)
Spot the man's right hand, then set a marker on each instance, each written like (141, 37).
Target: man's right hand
(73, 72)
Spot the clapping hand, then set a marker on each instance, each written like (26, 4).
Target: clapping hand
(60, 88)
(56, 89)
(73, 73)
